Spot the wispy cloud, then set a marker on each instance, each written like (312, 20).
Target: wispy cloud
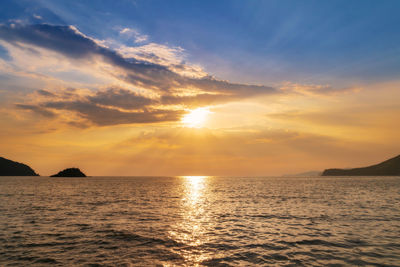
(37, 109)
(317, 89)
(133, 33)
(171, 57)
(37, 16)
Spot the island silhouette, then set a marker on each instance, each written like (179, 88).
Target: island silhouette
(390, 167)
(70, 172)
(13, 168)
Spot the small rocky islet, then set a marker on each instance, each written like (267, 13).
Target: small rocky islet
(70, 172)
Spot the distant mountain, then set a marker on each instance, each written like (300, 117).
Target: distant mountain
(304, 174)
(390, 167)
(70, 172)
(12, 168)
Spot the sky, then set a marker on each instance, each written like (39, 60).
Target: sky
(236, 88)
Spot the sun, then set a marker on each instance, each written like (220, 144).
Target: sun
(196, 118)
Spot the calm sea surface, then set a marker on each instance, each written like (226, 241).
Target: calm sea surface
(189, 221)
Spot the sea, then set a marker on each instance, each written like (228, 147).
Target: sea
(200, 221)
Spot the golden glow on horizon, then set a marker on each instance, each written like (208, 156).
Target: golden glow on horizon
(196, 118)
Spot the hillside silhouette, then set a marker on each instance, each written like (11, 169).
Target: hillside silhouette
(13, 168)
(390, 167)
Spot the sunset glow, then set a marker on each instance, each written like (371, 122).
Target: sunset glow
(175, 92)
(196, 118)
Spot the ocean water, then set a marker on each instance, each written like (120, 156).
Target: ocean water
(199, 221)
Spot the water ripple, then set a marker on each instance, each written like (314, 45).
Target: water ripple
(199, 221)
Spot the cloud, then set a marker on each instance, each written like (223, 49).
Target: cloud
(115, 105)
(171, 57)
(195, 100)
(132, 33)
(4, 54)
(155, 53)
(120, 98)
(37, 17)
(371, 117)
(44, 92)
(63, 39)
(316, 89)
(68, 41)
(112, 106)
(103, 116)
(154, 84)
(37, 109)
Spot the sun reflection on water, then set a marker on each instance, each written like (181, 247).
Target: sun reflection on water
(194, 220)
(195, 186)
